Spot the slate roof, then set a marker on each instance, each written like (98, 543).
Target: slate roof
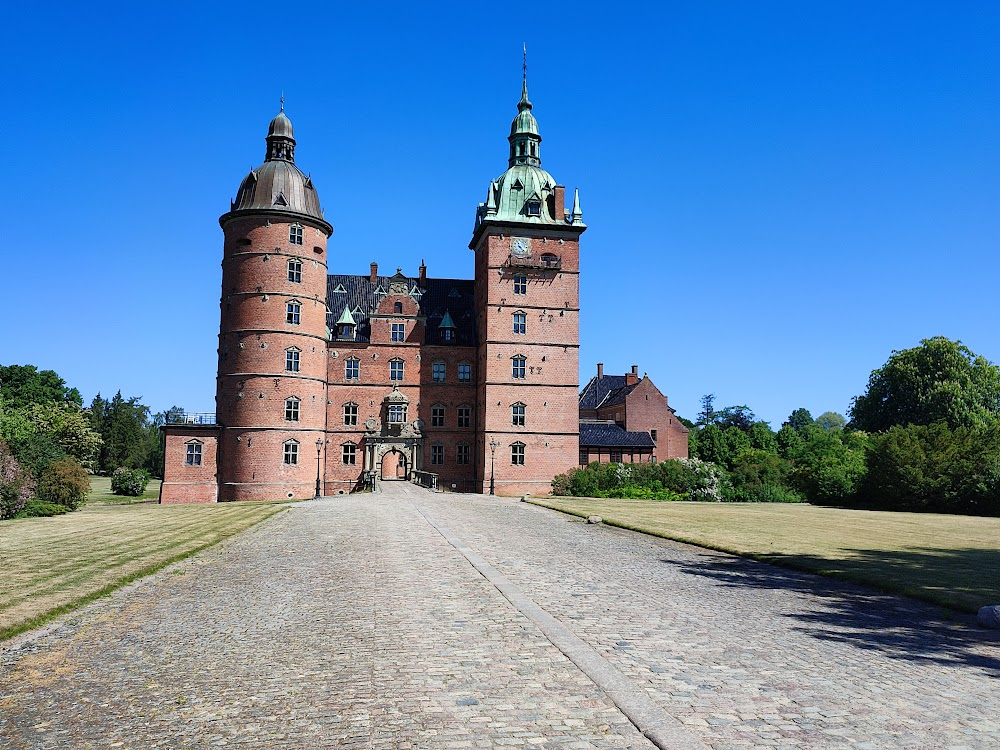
(607, 391)
(435, 298)
(601, 435)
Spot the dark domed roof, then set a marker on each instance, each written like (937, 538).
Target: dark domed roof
(281, 126)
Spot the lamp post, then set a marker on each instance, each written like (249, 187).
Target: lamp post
(319, 447)
(494, 444)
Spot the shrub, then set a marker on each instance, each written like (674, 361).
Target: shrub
(130, 482)
(14, 489)
(64, 483)
(35, 508)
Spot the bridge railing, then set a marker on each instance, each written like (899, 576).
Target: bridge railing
(190, 417)
(425, 479)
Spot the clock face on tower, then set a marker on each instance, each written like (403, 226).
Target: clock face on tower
(520, 246)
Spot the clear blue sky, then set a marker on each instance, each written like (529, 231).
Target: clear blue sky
(778, 193)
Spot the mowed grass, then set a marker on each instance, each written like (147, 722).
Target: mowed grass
(100, 492)
(52, 565)
(948, 560)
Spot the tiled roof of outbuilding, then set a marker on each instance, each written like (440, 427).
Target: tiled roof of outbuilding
(606, 391)
(603, 435)
(436, 298)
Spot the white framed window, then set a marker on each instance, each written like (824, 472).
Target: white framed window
(351, 415)
(517, 367)
(438, 372)
(293, 311)
(192, 456)
(462, 454)
(395, 369)
(295, 270)
(437, 454)
(352, 368)
(295, 234)
(520, 322)
(292, 360)
(517, 454)
(397, 413)
(464, 372)
(398, 332)
(520, 284)
(290, 453)
(291, 409)
(517, 414)
(464, 416)
(349, 454)
(534, 208)
(437, 415)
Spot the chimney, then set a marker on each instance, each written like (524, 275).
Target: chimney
(560, 200)
(374, 274)
(632, 378)
(600, 370)
(423, 272)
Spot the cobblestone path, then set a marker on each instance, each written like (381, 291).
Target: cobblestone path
(361, 622)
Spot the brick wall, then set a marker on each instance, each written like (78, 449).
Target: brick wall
(185, 482)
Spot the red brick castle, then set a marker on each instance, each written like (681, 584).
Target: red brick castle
(328, 383)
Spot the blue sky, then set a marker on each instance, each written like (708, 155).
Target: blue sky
(779, 193)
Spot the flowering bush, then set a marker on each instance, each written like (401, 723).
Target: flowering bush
(708, 479)
(131, 482)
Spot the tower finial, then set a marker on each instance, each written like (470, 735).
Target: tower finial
(282, 100)
(524, 61)
(525, 103)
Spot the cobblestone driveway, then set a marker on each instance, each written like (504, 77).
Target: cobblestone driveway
(360, 622)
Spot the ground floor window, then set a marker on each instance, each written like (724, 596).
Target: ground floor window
(193, 457)
(584, 458)
(463, 453)
(517, 454)
(616, 457)
(437, 454)
(291, 453)
(350, 454)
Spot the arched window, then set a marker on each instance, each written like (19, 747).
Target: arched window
(517, 414)
(290, 452)
(517, 367)
(397, 307)
(291, 409)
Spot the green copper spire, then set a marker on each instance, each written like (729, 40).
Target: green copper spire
(524, 137)
(346, 318)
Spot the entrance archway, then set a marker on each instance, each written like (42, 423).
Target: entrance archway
(393, 466)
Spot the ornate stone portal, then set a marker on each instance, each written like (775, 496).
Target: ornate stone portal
(393, 445)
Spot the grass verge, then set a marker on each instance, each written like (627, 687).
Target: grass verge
(952, 561)
(54, 565)
(100, 492)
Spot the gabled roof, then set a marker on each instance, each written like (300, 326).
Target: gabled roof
(602, 435)
(607, 391)
(435, 298)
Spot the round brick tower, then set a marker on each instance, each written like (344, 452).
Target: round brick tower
(271, 389)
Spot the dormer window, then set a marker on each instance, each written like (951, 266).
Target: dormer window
(447, 334)
(534, 208)
(397, 307)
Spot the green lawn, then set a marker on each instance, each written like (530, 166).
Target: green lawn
(100, 492)
(52, 565)
(948, 560)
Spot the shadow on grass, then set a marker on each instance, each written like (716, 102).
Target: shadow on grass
(869, 618)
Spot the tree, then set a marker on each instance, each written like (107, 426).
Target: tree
(736, 416)
(22, 385)
(71, 429)
(64, 483)
(831, 420)
(123, 423)
(940, 380)
(799, 419)
(707, 414)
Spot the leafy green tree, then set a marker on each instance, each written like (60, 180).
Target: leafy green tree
(829, 467)
(789, 441)
(123, 426)
(707, 414)
(736, 416)
(711, 445)
(64, 483)
(22, 385)
(799, 419)
(940, 380)
(763, 439)
(831, 420)
(70, 427)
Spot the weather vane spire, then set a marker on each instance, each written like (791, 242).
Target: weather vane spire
(282, 100)
(524, 62)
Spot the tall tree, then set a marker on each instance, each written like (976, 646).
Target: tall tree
(799, 419)
(123, 432)
(23, 385)
(940, 380)
(707, 414)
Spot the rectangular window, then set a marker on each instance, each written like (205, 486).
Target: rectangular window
(652, 434)
(520, 320)
(438, 372)
(520, 285)
(352, 369)
(292, 311)
(292, 410)
(291, 360)
(464, 373)
(397, 413)
(350, 414)
(517, 415)
(462, 456)
(398, 332)
(193, 457)
(465, 416)
(616, 457)
(295, 234)
(437, 454)
(584, 458)
(395, 369)
(517, 368)
(437, 416)
(295, 271)
(350, 454)
(517, 454)
(291, 457)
